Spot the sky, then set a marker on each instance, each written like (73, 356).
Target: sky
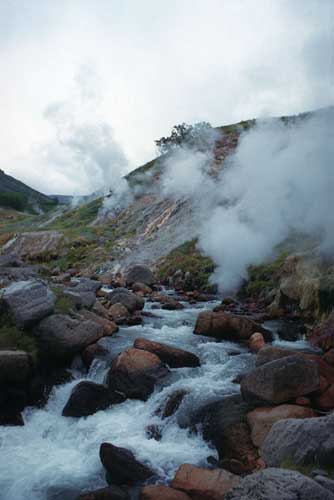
(86, 86)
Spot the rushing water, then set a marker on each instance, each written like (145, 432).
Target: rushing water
(55, 458)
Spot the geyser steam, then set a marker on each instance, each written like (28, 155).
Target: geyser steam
(279, 180)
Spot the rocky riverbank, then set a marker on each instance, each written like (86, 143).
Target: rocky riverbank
(154, 395)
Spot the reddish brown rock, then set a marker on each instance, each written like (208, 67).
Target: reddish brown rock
(329, 357)
(109, 327)
(323, 335)
(256, 342)
(261, 420)
(109, 493)
(119, 312)
(203, 484)
(302, 401)
(227, 326)
(141, 288)
(134, 372)
(91, 352)
(175, 358)
(162, 493)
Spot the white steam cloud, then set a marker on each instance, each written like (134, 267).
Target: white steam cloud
(279, 180)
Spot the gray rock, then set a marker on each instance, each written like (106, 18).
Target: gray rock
(10, 260)
(281, 380)
(80, 299)
(278, 484)
(140, 274)
(61, 337)
(28, 301)
(303, 442)
(127, 298)
(86, 285)
(325, 482)
(88, 397)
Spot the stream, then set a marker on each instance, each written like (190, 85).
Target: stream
(56, 458)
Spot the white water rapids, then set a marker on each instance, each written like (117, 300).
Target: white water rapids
(55, 458)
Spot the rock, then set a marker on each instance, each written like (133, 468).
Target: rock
(61, 337)
(256, 342)
(142, 288)
(162, 493)
(87, 398)
(10, 260)
(91, 352)
(280, 381)
(226, 326)
(127, 298)
(261, 420)
(300, 441)
(270, 353)
(16, 367)
(278, 484)
(291, 331)
(110, 493)
(119, 313)
(10, 274)
(11, 418)
(325, 482)
(37, 244)
(28, 301)
(323, 335)
(172, 404)
(121, 465)
(172, 305)
(85, 285)
(80, 299)
(44, 381)
(326, 400)
(329, 357)
(225, 425)
(203, 484)
(140, 274)
(109, 327)
(175, 358)
(135, 372)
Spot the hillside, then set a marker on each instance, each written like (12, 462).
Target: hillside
(15, 194)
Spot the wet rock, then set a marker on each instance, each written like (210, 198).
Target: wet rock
(91, 352)
(110, 493)
(61, 337)
(203, 484)
(225, 425)
(135, 372)
(162, 493)
(88, 397)
(28, 301)
(300, 441)
(154, 431)
(278, 484)
(291, 331)
(127, 298)
(172, 305)
(121, 465)
(16, 367)
(256, 342)
(43, 383)
(226, 326)
(261, 420)
(172, 404)
(281, 381)
(142, 288)
(175, 358)
(140, 274)
(11, 418)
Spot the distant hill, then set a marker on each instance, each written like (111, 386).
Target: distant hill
(15, 194)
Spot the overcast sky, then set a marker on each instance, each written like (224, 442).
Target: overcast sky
(87, 85)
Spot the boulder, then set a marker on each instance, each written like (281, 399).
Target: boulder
(172, 404)
(10, 260)
(325, 401)
(175, 358)
(278, 484)
(280, 381)
(35, 245)
(80, 299)
(121, 465)
(135, 372)
(162, 493)
(271, 353)
(110, 493)
(127, 298)
(142, 288)
(16, 367)
(88, 397)
(28, 301)
(227, 326)
(225, 425)
(172, 305)
(323, 335)
(261, 420)
(91, 352)
(109, 327)
(203, 484)
(256, 342)
(300, 441)
(140, 274)
(119, 313)
(61, 337)
(82, 285)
